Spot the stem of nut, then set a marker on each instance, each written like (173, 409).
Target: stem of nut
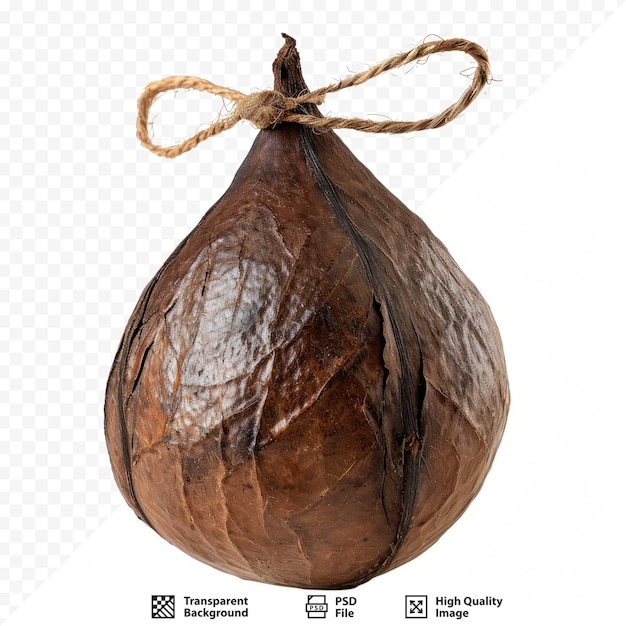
(288, 78)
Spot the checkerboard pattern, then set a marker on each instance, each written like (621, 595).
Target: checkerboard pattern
(88, 216)
(163, 607)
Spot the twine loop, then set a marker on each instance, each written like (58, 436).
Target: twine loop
(269, 108)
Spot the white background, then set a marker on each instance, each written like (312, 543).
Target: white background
(526, 189)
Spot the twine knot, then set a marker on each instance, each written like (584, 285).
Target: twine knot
(267, 109)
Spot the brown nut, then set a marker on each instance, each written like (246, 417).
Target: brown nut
(310, 391)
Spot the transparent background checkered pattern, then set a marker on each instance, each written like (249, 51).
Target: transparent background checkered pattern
(88, 216)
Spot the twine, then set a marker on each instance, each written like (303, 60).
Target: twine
(267, 109)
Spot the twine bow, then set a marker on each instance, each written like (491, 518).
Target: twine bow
(267, 109)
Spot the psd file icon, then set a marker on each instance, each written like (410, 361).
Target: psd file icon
(316, 607)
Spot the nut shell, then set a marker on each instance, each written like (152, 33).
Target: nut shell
(310, 391)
